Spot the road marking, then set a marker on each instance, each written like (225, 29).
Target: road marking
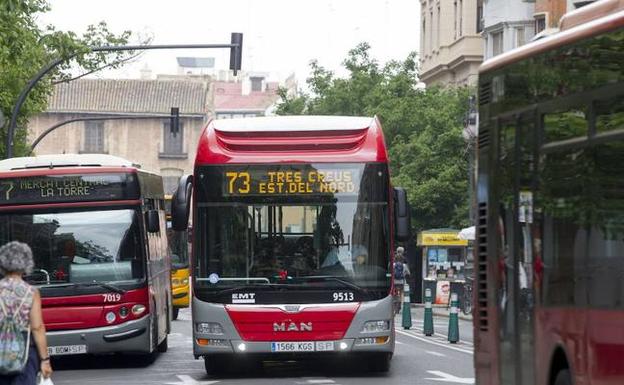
(435, 353)
(444, 336)
(445, 377)
(316, 380)
(399, 343)
(439, 337)
(435, 343)
(188, 380)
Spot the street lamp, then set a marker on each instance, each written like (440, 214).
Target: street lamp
(236, 48)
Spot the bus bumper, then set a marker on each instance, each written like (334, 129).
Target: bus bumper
(180, 296)
(354, 340)
(132, 336)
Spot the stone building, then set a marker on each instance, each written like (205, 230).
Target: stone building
(148, 142)
(451, 46)
(508, 24)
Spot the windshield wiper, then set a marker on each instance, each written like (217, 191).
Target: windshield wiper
(349, 284)
(105, 285)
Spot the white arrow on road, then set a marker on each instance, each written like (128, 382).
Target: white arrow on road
(188, 380)
(445, 377)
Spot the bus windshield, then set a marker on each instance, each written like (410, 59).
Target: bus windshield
(79, 246)
(309, 237)
(178, 246)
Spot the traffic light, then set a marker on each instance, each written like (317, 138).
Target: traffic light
(236, 53)
(175, 121)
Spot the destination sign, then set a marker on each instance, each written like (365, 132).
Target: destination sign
(68, 188)
(290, 179)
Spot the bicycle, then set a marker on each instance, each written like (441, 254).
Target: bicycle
(466, 302)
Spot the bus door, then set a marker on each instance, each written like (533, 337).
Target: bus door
(517, 163)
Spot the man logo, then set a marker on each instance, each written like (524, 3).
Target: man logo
(292, 327)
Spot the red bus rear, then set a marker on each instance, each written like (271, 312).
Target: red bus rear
(96, 226)
(550, 233)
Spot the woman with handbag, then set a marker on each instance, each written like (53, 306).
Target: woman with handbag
(23, 345)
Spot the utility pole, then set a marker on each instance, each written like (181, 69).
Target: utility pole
(236, 48)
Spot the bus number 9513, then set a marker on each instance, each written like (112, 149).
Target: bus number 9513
(343, 296)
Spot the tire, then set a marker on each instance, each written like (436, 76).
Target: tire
(215, 365)
(467, 306)
(164, 345)
(176, 312)
(563, 377)
(380, 363)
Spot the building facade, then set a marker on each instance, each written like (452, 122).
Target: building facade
(549, 12)
(148, 142)
(248, 96)
(507, 24)
(450, 41)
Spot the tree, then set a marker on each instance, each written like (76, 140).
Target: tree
(423, 128)
(26, 47)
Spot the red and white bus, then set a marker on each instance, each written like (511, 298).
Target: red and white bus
(96, 226)
(294, 220)
(549, 265)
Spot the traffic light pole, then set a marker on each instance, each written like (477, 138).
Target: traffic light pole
(115, 117)
(236, 48)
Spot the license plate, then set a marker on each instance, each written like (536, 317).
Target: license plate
(325, 346)
(67, 349)
(292, 346)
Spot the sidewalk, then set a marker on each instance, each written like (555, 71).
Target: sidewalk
(443, 311)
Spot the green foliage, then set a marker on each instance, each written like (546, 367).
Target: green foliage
(423, 128)
(25, 48)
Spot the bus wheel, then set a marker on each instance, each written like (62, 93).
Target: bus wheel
(380, 363)
(164, 345)
(563, 378)
(176, 311)
(215, 364)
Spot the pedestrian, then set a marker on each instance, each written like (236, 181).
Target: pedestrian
(401, 271)
(20, 311)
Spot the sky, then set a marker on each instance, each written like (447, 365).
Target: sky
(280, 37)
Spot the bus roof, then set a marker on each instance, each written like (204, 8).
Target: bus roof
(64, 160)
(292, 139)
(594, 19)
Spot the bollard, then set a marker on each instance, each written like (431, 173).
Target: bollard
(407, 311)
(428, 327)
(453, 331)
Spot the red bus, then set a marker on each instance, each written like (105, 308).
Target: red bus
(96, 226)
(549, 266)
(294, 220)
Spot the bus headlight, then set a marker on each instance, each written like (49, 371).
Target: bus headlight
(208, 328)
(185, 281)
(175, 282)
(137, 310)
(376, 326)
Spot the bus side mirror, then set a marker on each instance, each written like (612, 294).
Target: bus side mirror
(401, 215)
(152, 221)
(181, 204)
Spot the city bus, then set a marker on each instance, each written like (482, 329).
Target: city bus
(96, 226)
(549, 293)
(294, 220)
(179, 251)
